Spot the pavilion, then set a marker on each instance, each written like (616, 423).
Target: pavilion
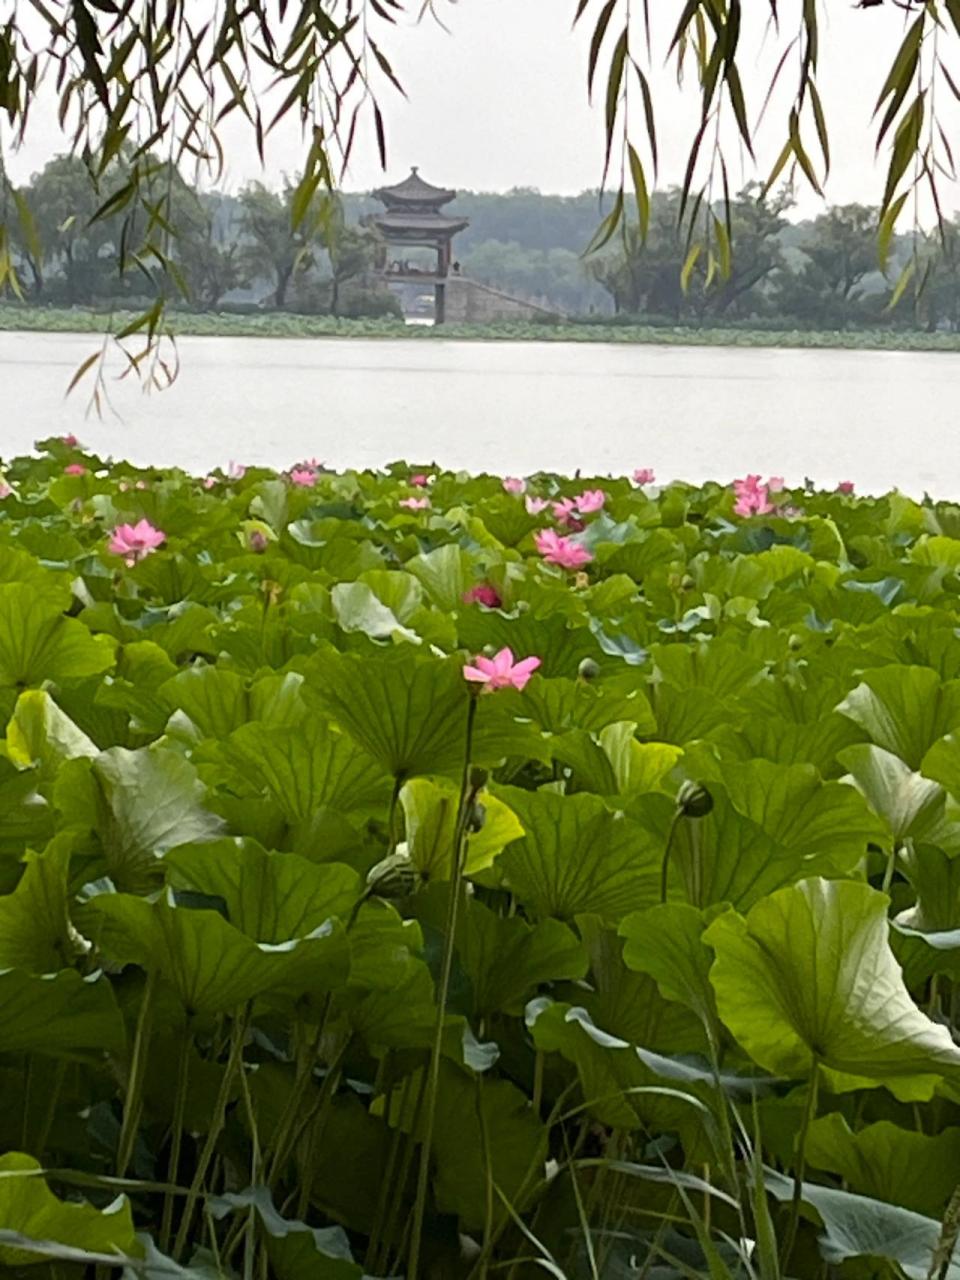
(413, 218)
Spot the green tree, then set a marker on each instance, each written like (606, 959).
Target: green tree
(273, 245)
(839, 253)
(63, 204)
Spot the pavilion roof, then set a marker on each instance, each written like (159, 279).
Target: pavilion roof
(414, 191)
(413, 223)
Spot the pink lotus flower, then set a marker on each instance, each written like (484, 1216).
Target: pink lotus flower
(535, 505)
(500, 672)
(305, 477)
(753, 498)
(561, 551)
(589, 501)
(134, 541)
(644, 475)
(775, 484)
(845, 486)
(123, 486)
(565, 513)
(483, 594)
(414, 504)
(256, 540)
(75, 469)
(513, 484)
(70, 441)
(140, 484)
(753, 503)
(5, 490)
(420, 480)
(235, 470)
(209, 482)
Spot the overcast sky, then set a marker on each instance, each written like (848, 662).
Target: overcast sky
(500, 101)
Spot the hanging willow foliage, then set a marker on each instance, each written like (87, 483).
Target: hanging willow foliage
(708, 35)
(143, 86)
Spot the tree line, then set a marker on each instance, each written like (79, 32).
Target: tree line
(255, 248)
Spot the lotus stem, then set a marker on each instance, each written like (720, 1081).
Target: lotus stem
(665, 864)
(809, 1111)
(433, 1075)
(133, 1101)
(176, 1135)
(216, 1128)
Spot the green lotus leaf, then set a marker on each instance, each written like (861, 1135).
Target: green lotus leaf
(444, 574)
(619, 1088)
(399, 1012)
(935, 879)
(483, 1128)
(29, 1208)
(40, 734)
(808, 976)
(792, 725)
(409, 713)
(213, 967)
(560, 705)
(628, 1003)
(577, 857)
(589, 764)
(683, 715)
(720, 666)
(296, 1251)
(726, 857)
(909, 804)
(35, 930)
(506, 958)
(218, 701)
(430, 809)
(271, 897)
(859, 1227)
(142, 803)
(399, 590)
(134, 689)
(59, 1014)
(814, 820)
(639, 767)
(886, 1162)
(904, 709)
(24, 821)
(307, 768)
(39, 642)
(666, 942)
(358, 608)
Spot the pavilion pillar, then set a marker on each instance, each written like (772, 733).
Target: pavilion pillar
(439, 302)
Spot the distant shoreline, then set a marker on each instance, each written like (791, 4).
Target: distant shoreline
(26, 319)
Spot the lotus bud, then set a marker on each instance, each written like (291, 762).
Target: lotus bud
(694, 800)
(687, 583)
(588, 669)
(393, 877)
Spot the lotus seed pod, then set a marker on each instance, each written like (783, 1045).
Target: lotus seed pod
(588, 669)
(694, 800)
(478, 778)
(687, 583)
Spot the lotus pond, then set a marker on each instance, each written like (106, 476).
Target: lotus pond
(430, 875)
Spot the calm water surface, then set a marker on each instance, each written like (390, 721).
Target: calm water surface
(879, 418)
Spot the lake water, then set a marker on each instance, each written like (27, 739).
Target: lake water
(878, 418)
